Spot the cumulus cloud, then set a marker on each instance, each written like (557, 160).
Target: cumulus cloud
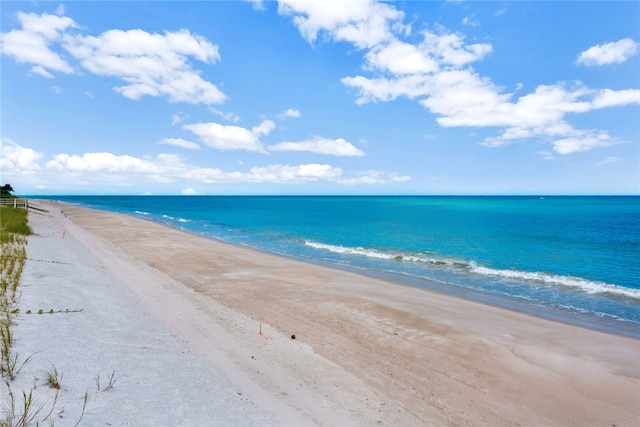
(290, 113)
(319, 145)
(150, 63)
(282, 174)
(436, 72)
(364, 23)
(32, 43)
(229, 137)
(16, 158)
(70, 171)
(179, 142)
(375, 177)
(608, 53)
(98, 162)
(582, 141)
(189, 192)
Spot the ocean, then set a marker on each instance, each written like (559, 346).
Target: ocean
(574, 259)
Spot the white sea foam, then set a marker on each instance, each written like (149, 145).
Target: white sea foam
(587, 286)
(183, 220)
(584, 285)
(142, 213)
(395, 256)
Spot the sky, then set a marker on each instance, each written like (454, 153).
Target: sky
(320, 97)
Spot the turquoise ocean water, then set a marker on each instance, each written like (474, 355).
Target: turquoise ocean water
(574, 259)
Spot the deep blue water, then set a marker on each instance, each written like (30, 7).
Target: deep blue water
(575, 259)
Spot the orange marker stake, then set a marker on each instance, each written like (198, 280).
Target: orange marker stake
(266, 337)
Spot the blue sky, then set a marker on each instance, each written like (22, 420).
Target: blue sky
(303, 97)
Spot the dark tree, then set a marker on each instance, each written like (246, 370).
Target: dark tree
(6, 190)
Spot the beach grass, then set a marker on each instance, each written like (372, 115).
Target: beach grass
(14, 228)
(13, 221)
(53, 377)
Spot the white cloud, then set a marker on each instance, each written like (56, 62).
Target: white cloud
(614, 98)
(460, 97)
(257, 4)
(71, 171)
(99, 162)
(450, 48)
(230, 116)
(435, 52)
(290, 113)
(179, 142)
(149, 63)
(40, 70)
(56, 90)
(365, 23)
(375, 177)
(189, 192)
(293, 174)
(436, 73)
(319, 145)
(502, 10)
(16, 158)
(230, 137)
(263, 128)
(400, 58)
(32, 43)
(470, 20)
(582, 141)
(608, 53)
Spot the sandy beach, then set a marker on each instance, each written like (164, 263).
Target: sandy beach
(198, 332)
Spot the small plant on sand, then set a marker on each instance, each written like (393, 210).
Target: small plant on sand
(53, 407)
(11, 366)
(84, 407)
(19, 417)
(6, 341)
(53, 377)
(109, 385)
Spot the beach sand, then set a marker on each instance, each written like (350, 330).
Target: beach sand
(177, 318)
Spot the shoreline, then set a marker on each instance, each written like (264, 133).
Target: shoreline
(367, 350)
(580, 320)
(574, 318)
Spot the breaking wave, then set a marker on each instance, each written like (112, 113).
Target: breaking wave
(583, 285)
